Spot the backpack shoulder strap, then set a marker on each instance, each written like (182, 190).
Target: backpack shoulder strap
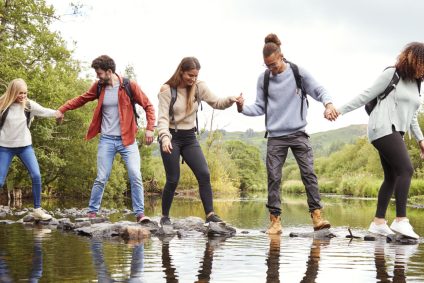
(299, 85)
(392, 84)
(171, 106)
(265, 89)
(127, 86)
(3, 117)
(99, 89)
(28, 113)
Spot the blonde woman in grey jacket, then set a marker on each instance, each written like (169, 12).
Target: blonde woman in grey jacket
(388, 122)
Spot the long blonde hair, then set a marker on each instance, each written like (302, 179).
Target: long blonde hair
(186, 64)
(11, 94)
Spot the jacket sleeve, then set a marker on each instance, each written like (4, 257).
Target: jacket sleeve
(40, 111)
(370, 93)
(79, 101)
(213, 100)
(415, 127)
(144, 102)
(164, 97)
(258, 108)
(313, 88)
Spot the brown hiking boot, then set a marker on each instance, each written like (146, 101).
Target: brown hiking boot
(318, 222)
(275, 226)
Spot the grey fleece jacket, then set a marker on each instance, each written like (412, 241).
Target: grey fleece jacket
(284, 101)
(399, 108)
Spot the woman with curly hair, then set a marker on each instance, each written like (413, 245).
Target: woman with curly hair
(388, 122)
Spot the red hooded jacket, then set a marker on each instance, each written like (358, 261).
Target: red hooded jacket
(126, 113)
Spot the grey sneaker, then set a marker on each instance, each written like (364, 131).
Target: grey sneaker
(40, 214)
(213, 218)
(165, 221)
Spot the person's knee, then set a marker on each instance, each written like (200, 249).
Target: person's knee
(203, 176)
(36, 177)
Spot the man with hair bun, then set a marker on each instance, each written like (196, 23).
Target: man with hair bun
(281, 97)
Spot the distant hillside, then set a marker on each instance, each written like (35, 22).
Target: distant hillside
(323, 143)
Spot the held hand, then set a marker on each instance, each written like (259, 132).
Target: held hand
(330, 112)
(148, 137)
(240, 102)
(167, 146)
(59, 117)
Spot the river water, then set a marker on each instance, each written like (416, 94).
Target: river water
(37, 254)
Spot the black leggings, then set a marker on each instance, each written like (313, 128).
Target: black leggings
(398, 172)
(184, 143)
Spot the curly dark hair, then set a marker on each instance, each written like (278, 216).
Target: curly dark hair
(103, 62)
(272, 45)
(410, 62)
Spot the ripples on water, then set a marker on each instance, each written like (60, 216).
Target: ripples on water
(56, 256)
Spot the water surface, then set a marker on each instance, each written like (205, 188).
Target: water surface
(54, 256)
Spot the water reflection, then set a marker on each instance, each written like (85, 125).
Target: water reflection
(273, 260)
(206, 264)
(37, 258)
(4, 270)
(205, 269)
(103, 274)
(401, 259)
(169, 269)
(312, 265)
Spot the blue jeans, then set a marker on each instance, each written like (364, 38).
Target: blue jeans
(108, 147)
(27, 155)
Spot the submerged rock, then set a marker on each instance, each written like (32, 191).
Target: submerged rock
(320, 234)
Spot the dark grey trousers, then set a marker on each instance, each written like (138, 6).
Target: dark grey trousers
(277, 149)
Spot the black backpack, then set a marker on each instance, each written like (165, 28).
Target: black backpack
(299, 85)
(27, 112)
(127, 87)
(369, 107)
(172, 102)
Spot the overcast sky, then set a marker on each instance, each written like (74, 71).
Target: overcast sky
(343, 44)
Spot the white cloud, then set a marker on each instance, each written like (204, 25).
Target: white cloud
(343, 44)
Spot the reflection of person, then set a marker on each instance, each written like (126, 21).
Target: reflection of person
(388, 122)
(170, 271)
(402, 255)
(281, 103)
(114, 118)
(312, 265)
(177, 133)
(273, 260)
(205, 270)
(4, 271)
(137, 263)
(103, 274)
(16, 111)
(37, 258)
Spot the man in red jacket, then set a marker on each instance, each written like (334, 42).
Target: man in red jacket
(114, 119)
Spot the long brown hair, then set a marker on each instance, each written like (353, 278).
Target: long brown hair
(186, 64)
(11, 94)
(410, 62)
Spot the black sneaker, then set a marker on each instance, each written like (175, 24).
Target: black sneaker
(165, 221)
(213, 218)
